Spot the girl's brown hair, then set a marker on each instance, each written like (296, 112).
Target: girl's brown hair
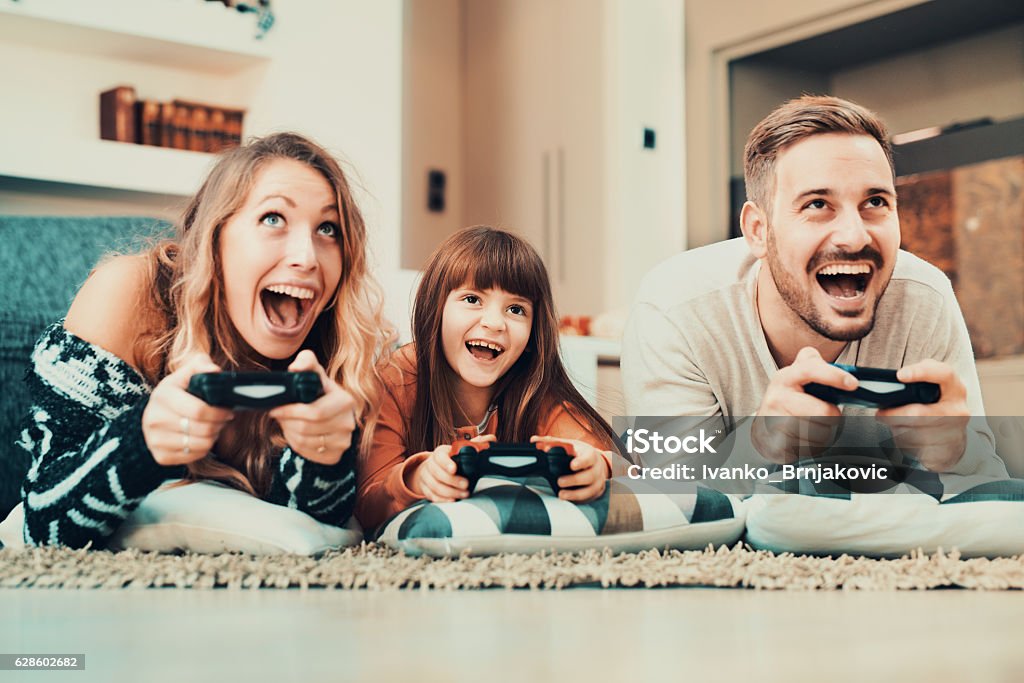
(187, 309)
(483, 258)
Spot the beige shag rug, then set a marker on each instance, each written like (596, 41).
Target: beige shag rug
(376, 568)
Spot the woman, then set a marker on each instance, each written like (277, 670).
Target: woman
(267, 272)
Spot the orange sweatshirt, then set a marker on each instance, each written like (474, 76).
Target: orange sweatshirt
(382, 472)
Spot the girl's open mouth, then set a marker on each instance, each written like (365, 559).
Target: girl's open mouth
(845, 281)
(286, 307)
(483, 350)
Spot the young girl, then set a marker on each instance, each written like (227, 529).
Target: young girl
(267, 272)
(486, 355)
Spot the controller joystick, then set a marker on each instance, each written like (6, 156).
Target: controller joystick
(549, 460)
(255, 390)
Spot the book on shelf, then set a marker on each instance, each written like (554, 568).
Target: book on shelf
(182, 136)
(179, 124)
(167, 130)
(233, 126)
(212, 127)
(147, 122)
(117, 114)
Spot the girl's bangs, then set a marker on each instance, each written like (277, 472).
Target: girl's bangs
(502, 263)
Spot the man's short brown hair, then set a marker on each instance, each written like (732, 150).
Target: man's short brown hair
(798, 119)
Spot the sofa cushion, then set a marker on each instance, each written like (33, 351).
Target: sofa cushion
(44, 261)
(522, 516)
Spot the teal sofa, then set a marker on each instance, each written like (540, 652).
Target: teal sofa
(44, 260)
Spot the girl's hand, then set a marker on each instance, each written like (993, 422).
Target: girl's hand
(178, 427)
(320, 431)
(590, 471)
(435, 478)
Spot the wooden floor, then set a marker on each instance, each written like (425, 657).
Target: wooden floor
(575, 635)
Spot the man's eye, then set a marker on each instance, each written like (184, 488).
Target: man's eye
(877, 202)
(272, 219)
(329, 229)
(816, 204)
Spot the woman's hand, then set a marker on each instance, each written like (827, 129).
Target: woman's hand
(320, 431)
(178, 427)
(589, 466)
(435, 478)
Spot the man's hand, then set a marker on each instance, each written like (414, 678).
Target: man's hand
(320, 431)
(935, 434)
(791, 424)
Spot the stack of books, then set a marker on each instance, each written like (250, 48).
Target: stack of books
(178, 124)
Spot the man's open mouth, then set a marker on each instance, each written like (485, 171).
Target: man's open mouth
(287, 306)
(483, 350)
(845, 280)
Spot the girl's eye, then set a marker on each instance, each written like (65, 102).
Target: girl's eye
(471, 299)
(516, 309)
(272, 219)
(329, 229)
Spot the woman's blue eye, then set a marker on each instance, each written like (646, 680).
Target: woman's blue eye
(329, 229)
(272, 219)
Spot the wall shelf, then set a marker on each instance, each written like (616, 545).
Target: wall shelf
(185, 33)
(103, 164)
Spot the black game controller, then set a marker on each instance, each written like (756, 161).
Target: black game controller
(549, 460)
(255, 390)
(878, 388)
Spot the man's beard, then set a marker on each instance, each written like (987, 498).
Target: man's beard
(801, 302)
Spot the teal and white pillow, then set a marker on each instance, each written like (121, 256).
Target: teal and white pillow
(980, 518)
(520, 515)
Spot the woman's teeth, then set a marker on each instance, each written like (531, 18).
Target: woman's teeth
(292, 291)
(285, 306)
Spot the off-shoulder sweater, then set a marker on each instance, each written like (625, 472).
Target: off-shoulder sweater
(90, 465)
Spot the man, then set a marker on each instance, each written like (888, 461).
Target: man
(738, 328)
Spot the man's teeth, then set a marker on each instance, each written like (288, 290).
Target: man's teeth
(294, 292)
(486, 345)
(846, 269)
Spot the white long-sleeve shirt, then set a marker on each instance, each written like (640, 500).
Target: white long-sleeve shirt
(694, 346)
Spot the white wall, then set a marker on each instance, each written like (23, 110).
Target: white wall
(335, 74)
(432, 123)
(646, 189)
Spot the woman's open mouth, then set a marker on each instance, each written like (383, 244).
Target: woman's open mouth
(287, 307)
(484, 350)
(845, 282)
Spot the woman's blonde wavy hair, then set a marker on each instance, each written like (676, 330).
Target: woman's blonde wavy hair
(189, 312)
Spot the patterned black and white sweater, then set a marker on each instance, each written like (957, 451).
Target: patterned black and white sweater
(90, 464)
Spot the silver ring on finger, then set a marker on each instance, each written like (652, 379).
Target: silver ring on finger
(183, 422)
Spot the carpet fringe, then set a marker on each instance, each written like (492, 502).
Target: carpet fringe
(376, 568)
